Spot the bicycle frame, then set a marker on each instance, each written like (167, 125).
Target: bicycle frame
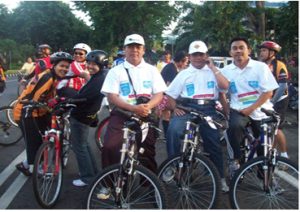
(54, 136)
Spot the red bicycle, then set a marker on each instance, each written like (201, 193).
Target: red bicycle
(52, 155)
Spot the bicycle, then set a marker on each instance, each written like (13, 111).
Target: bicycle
(52, 155)
(9, 133)
(268, 181)
(102, 126)
(128, 185)
(191, 179)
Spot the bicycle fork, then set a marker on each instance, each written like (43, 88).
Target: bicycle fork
(188, 139)
(52, 137)
(127, 136)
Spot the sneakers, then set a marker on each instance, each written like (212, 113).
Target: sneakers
(224, 185)
(79, 183)
(21, 168)
(104, 193)
(233, 167)
(168, 174)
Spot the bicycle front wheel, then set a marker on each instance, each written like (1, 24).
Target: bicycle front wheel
(47, 176)
(247, 187)
(9, 133)
(100, 131)
(141, 190)
(198, 187)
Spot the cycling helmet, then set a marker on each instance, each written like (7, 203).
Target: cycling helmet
(59, 56)
(82, 46)
(270, 45)
(99, 57)
(120, 53)
(44, 46)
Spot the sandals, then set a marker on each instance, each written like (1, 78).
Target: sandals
(21, 168)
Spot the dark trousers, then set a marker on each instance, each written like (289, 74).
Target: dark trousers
(113, 139)
(32, 129)
(236, 130)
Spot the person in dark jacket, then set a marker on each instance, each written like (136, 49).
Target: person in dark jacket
(84, 116)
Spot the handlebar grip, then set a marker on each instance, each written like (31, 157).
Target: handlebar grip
(73, 101)
(268, 112)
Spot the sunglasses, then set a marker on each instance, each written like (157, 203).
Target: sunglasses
(79, 53)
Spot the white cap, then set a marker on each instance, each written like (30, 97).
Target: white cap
(134, 38)
(197, 46)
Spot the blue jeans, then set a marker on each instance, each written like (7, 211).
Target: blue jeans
(85, 159)
(211, 137)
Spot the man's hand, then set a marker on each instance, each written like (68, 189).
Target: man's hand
(142, 110)
(179, 112)
(210, 63)
(246, 111)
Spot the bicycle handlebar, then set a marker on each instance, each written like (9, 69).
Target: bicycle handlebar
(201, 115)
(69, 103)
(136, 118)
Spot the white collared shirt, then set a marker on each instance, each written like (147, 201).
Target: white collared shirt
(145, 78)
(246, 86)
(194, 83)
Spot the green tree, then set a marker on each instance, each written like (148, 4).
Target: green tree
(47, 22)
(216, 23)
(286, 28)
(4, 17)
(113, 20)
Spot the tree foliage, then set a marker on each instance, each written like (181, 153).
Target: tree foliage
(47, 22)
(113, 20)
(215, 22)
(286, 27)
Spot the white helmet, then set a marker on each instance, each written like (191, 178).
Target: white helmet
(82, 46)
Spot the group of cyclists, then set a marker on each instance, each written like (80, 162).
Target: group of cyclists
(134, 85)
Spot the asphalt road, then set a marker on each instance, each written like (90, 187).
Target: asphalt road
(16, 190)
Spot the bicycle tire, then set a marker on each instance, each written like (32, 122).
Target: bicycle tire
(100, 131)
(9, 113)
(201, 185)
(44, 178)
(246, 189)
(9, 133)
(152, 193)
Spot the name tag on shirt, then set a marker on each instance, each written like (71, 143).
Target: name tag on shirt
(210, 84)
(253, 84)
(147, 84)
(232, 87)
(190, 89)
(125, 89)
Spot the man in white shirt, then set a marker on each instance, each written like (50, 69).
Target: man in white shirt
(122, 93)
(198, 86)
(251, 87)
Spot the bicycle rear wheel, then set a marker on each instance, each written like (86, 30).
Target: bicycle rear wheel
(247, 190)
(47, 178)
(199, 187)
(100, 131)
(9, 133)
(142, 190)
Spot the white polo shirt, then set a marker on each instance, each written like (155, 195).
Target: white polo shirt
(145, 78)
(246, 86)
(194, 83)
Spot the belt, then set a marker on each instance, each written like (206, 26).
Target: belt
(199, 101)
